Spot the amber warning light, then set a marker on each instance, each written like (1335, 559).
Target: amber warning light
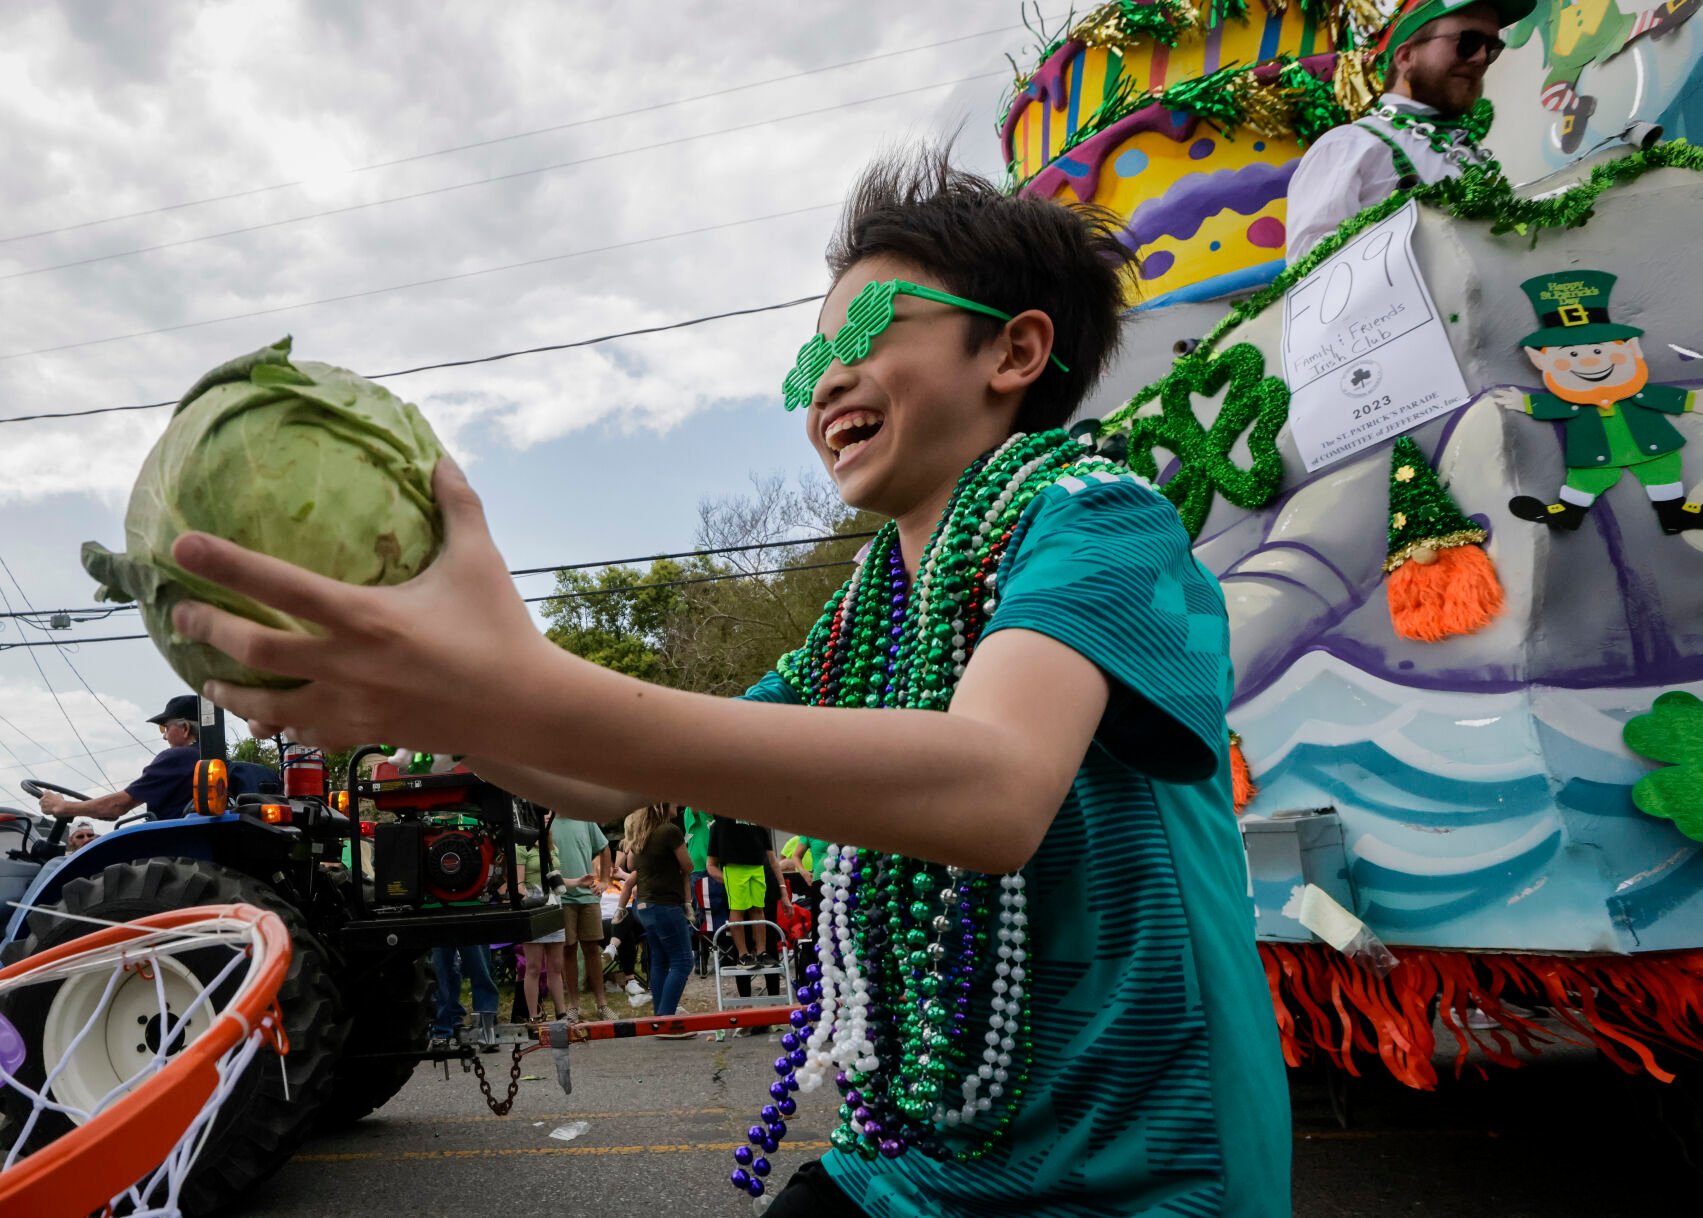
(212, 787)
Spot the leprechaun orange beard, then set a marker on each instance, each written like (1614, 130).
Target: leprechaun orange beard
(1590, 397)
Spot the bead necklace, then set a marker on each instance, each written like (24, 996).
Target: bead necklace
(904, 967)
(1439, 133)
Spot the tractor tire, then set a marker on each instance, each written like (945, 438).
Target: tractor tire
(264, 1119)
(389, 1001)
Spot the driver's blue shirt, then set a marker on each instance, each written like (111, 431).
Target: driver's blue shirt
(168, 781)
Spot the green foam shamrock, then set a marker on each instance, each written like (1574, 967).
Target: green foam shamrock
(1206, 466)
(1671, 732)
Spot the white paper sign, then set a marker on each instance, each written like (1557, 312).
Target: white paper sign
(1364, 351)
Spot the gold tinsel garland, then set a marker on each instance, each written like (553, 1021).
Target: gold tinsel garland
(1233, 97)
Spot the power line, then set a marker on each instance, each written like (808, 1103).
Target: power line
(66, 657)
(487, 181)
(42, 673)
(420, 283)
(554, 597)
(462, 363)
(756, 545)
(29, 739)
(18, 764)
(681, 583)
(104, 638)
(502, 139)
(710, 552)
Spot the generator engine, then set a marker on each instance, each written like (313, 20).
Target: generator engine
(432, 858)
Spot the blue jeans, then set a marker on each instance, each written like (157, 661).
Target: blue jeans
(670, 954)
(448, 963)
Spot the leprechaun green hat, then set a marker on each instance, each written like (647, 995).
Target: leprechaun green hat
(1572, 308)
(1413, 15)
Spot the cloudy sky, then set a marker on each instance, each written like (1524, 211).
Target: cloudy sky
(186, 182)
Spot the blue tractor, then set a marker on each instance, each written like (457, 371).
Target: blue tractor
(356, 1003)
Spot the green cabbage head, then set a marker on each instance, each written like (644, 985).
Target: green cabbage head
(305, 462)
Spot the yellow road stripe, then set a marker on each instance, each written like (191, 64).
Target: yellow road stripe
(505, 1152)
(485, 1117)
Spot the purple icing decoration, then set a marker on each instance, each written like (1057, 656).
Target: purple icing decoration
(1201, 148)
(1156, 264)
(1193, 200)
(11, 1047)
(1267, 233)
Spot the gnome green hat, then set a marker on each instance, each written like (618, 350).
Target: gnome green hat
(1415, 15)
(1572, 307)
(1422, 513)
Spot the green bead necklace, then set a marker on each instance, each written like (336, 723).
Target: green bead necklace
(914, 937)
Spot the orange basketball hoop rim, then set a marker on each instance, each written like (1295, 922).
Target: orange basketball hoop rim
(83, 1170)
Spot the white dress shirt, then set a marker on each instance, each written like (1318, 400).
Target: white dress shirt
(1349, 168)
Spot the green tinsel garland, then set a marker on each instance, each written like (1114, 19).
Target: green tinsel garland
(1218, 98)
(1315, 105)
(1210, 97)
(1480, 193)
(1164, 21)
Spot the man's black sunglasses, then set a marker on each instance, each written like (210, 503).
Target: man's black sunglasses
(1468, 43)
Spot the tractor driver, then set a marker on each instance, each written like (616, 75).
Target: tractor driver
(167, 781)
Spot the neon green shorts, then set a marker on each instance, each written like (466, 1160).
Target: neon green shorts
(746, 887)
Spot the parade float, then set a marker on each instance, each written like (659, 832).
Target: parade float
(1469, 746)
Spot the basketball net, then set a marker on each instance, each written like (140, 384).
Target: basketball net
(134, 1142)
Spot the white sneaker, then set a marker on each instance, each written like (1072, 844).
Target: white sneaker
(634, 989)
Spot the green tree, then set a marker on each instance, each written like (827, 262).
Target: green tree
(716, 623)
(616, 618)
(733, 630)
(265, 752)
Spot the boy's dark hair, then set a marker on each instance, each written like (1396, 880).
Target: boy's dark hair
(1009, 252)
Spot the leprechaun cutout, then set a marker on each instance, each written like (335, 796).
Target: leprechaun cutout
(1579, 33)
(1600, 391)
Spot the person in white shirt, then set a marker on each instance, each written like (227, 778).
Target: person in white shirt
(1435, 60)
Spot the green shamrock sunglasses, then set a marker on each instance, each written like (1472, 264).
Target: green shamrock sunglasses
(870, 313)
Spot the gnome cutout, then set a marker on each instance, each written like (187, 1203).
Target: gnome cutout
(1440, 581)
(1599, 390)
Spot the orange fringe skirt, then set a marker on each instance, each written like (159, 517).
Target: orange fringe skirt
(1629, 1007)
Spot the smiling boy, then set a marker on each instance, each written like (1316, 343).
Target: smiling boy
(1039, 991)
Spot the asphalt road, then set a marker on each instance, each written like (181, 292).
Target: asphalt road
(1565, 1136)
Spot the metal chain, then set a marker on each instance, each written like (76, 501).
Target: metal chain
(499, 1107)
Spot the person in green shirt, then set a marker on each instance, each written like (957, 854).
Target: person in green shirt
(1027, 667)
(581, 853)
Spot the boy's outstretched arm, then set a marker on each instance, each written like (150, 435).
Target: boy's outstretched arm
(451, 662)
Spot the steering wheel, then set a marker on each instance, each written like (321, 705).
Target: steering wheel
(33, 787)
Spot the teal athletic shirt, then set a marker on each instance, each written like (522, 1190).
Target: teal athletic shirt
(1157, 1085)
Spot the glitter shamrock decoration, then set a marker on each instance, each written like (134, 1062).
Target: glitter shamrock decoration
(1672, 732)
(1205, 466)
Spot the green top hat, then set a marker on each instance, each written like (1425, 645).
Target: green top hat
(1572, 307)
(1416, 14)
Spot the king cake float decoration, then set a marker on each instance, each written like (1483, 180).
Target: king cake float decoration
(1465, 721)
